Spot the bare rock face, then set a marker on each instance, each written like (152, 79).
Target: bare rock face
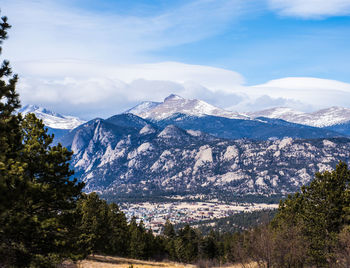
(186, 146)
(144, 158)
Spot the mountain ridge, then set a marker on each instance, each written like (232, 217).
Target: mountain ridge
(322, 118)
(117, 161)
(52, 119)
(176, 104)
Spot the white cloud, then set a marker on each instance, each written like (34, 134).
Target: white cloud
(97, 89)
(50, 30)
(90, 89)
(312, 92)
(311, 8)
(216, 78)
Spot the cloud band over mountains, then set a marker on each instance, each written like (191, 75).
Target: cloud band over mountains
(90, 89)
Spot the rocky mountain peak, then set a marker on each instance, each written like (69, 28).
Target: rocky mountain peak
(172, 131)
(147, 129)
(173, 97)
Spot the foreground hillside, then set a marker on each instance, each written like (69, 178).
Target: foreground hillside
(98, 261)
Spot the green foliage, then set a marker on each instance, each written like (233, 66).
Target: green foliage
(187, 244)
(38, 196)
(102, 228)
(143, 244)
(314, 218)
(169, 230)
(234, 223)
(37, 226)
(10, 134)
(209, 246)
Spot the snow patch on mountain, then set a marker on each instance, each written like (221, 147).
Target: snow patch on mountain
(322, 118)
(175, 104)
(52, 119)
(143, 107)
(109, 156)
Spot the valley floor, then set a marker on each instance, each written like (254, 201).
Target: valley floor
(155, 214)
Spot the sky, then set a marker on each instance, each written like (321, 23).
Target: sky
(98, 58)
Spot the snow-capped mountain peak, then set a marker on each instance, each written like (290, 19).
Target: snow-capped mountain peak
(37, 109)
(173, 97)
(175, 104)
(52, 119)
(142, 107)
(322, 118)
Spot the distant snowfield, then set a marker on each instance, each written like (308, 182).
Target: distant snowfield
(322, 118)
(52, 119)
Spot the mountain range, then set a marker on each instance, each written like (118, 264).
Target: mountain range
(52, 119)
(176, 104)
(57, 124)
(322, 118)
(334, 118)
(188, 147)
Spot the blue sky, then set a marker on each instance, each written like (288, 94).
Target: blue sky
(269, 46)
(249, 42)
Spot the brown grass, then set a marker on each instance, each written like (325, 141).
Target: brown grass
(98, 261)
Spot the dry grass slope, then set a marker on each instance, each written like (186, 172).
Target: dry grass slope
(98, 261)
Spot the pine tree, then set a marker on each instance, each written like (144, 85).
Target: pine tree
(187, 244)
(320, 212)
(209, 246)
(118, 237)
(12, 181)
(169, 230)
(102, 227)
(38, 196)
(93, 223)
(137, 239)
(10, 134)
